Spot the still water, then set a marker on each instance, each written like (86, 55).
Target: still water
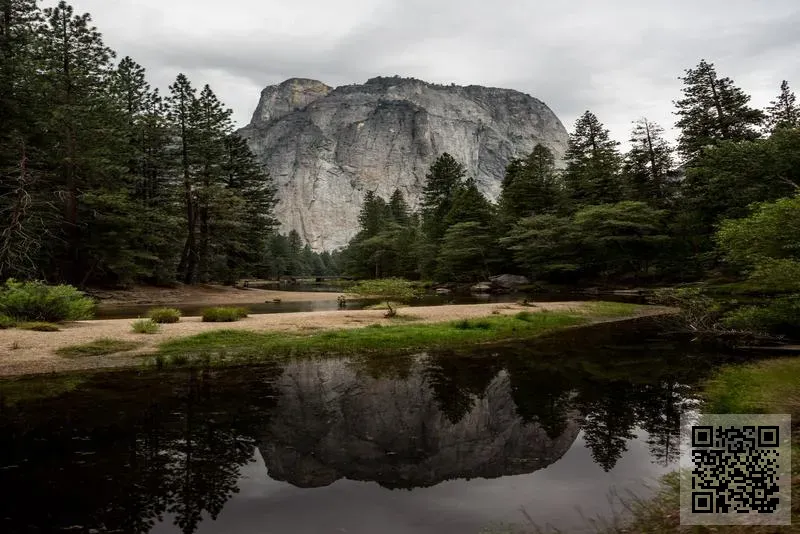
(444, 442)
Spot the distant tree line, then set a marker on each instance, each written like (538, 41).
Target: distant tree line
(103, 180)
(607, 216)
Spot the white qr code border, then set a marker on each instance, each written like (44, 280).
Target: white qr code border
(711, 477)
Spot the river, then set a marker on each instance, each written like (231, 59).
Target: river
(451, 442)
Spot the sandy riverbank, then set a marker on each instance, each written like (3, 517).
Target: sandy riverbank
(25, 352)
(210, 295)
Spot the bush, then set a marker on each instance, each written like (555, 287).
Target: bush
(524, 316)
(780, 316)
(6, 322)
(145, 326)
(223, 315)
(465, 324)
(164, 315)
(39, 326)
(36, 301)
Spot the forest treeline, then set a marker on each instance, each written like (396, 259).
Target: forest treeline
(649, 215)
(103, 180)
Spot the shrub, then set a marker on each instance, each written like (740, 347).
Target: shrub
(465, 324)
(39, 326)
(388, 289)
(524, 316)
(145, 326)
(164, 315)
(223, 315)
(36, 301)
(6, 322)
(780, 316)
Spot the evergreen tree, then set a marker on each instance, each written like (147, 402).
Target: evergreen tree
(648, 163)
(81, 132)
(593, 164)
(181, 105)
(398, 208)
(374, 214)
(465, 253)
(21, 231)
(713, 109)
(530, 186)
(783, 112)
(443, 180)
(469, 205)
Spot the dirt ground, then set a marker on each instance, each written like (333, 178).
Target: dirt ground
(27, 352)
(202, 294)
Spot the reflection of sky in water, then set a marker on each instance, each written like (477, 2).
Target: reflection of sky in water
(562, 495)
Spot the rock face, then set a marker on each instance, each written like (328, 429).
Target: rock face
(331, 423)
(327, 147)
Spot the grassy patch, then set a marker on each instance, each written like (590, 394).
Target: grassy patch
(39, 326)
(164, 315)
(145, 326)
(770, 386)
(98, 347)
(223, 315)
(247, 346)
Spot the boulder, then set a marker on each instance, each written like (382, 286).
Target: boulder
(509, 281)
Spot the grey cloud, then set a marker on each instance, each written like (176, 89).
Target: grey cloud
(620, 59)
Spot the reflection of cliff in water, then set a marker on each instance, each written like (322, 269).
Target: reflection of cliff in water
(125, 450)
(330, 423)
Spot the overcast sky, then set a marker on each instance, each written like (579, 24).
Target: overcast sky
(620, 59)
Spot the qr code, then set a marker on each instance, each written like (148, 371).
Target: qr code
(735, 470)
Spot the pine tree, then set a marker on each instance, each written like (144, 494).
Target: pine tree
(443, 180)
(783, 112)
(181, 106)
(21, 233)
(81, 129)
(374, 214)
(593, 164)
(469, 205)
(398, 208)
(530, 186)
(648, 163)
(713, 109)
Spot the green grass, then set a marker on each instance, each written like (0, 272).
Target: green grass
(245, 346)
(6, 322)
(98, 347)
(145, 326)
(223, 315)
(164, 315)
(39, 326)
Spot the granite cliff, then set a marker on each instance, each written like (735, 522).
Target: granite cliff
(326, 147)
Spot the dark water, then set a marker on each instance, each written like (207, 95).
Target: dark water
(445, 442)
(129, 312)
(141, 310)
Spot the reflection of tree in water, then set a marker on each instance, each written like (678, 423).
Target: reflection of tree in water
(174, 447)
(610, 418)
(660, 410)
(542, 395)
(457, 381)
